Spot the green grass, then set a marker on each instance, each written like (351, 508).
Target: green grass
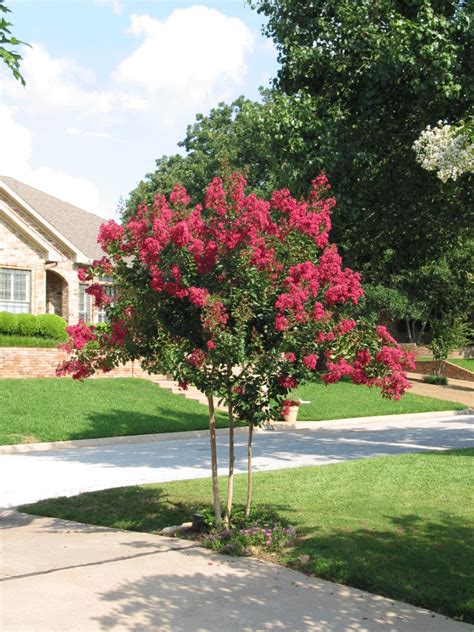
(343, 400)
(465, 363)
(399, 526)
(26, 341)
(62, 409)
(59, 410)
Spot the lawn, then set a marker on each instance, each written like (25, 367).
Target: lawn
(465, 363)
(343, 400)
(400, 526)
(62, 409)
(26, 341)
(58, 410)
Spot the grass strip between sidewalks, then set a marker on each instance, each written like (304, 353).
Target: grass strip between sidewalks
(400, 526)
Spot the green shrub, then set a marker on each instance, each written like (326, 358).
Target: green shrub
(8, 323)
(27, 325)
(441, 380)
(52, 326)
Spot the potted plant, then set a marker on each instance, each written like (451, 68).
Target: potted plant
(290, 410)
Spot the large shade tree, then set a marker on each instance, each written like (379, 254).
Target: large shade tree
(241, 296)
(358, 83)
(377, 73)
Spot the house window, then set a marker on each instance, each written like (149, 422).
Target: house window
(109, 289)
(84, 303)
(15, 291)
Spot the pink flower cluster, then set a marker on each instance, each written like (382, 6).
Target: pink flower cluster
(97, 290)
(79, 370)
(387, 370)
(233, 221)
(198, 259)
(79, 335)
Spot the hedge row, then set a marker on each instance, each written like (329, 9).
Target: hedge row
(42, 326)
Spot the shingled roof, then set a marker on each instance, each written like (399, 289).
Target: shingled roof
(78, 226)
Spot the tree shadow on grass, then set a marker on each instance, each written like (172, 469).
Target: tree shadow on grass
(136, 508)
(428, 563)
(126, 423)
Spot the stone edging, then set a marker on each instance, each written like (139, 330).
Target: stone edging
(279, 426)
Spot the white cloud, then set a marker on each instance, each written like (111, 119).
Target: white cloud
(15, 161)
(196, 55)
(115, 5)
(77, 131)
(61, 84)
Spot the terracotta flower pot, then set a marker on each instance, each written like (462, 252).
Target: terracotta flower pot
(292, 414)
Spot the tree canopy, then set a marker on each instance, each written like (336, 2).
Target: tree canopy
(357, 85)
(10, 56)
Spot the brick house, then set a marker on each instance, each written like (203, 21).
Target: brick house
(43, 240)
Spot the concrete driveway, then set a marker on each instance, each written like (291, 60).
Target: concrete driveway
(37, 475)
(60, 576)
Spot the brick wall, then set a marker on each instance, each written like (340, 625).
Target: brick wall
(17, 252)
(24, 362)
(451, 370)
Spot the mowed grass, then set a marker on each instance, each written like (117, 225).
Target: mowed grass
(400, 526)
(26, 341)
(465, 363)
(63, 409)
(344, 400)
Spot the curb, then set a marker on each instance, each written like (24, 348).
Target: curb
(19, 448)
(330, 424)
(279, 426)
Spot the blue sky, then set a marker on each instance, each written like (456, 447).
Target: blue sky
(112, 84)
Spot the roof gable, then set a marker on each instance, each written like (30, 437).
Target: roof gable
(79, 227)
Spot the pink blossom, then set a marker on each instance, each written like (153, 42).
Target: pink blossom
(110, 233)
(287, 382)
(80, 335)
(198, 296)
(311, 361)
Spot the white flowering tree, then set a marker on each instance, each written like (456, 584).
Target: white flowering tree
(446, 149)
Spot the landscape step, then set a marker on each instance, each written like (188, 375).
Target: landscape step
(192, 393)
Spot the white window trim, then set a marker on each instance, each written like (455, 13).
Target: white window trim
(12, 299)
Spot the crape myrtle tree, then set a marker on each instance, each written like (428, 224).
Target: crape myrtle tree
(243, 297)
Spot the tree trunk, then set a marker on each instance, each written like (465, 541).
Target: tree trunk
(249, 472)
(422, 331)
(215, 481)
(410, 336)
(230, 478)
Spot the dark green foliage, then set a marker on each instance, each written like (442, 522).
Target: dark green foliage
(353, 105)
(440, 380)
(377, 73)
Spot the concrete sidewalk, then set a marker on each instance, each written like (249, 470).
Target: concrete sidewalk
(453, 393)
(59, 575)
(32, 476)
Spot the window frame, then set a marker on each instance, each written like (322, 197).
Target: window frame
(87, 303)
(7, 303)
